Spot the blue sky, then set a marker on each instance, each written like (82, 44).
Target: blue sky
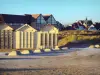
(65, 11)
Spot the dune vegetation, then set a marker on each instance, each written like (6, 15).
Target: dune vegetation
(90, 37)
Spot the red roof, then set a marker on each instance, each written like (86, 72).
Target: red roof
(35, 16)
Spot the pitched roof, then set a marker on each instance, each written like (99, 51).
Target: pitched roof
(3, 26)
(70, 27)
(1, 19)
(92, 27)
(25, 26)
(35, 16)
(97, 25)
(15, 26)
(48, 27)
(10, 18)
(46, 16)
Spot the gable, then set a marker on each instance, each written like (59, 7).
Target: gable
(50, 28)
(46, 17)
(51, 20)
(41, 20)
(54, 30)
(92, 27)
(35, 16)
(26, 28)
(5, 27)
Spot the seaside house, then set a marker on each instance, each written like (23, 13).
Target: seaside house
(91, 28)
(37, 21)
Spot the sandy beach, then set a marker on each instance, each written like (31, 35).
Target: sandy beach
(79, 62)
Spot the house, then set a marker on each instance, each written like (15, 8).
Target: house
(69, 27)
(13, 19)
(49, 18)
(87, 22)
(60, 26)
(97, 25)
(91, 28)
(81, 25)
(37, 21)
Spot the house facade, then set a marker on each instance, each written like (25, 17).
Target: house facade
(37, 21)
(26, 37)
(83, 25)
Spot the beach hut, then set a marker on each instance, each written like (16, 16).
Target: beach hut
(24, 37)
(49, 36)
(6, 35)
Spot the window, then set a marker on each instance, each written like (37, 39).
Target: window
(51, 20)
(40, 20)
(15, 24)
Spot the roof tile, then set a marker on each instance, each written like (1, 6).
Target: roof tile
(35, 16)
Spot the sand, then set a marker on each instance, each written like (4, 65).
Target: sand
(84, 62)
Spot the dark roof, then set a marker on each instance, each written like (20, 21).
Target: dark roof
(89, 22)
(97, 25)
(46, 17)
(9, 18)
(69, 28)
(81, 21)
(15, 26)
